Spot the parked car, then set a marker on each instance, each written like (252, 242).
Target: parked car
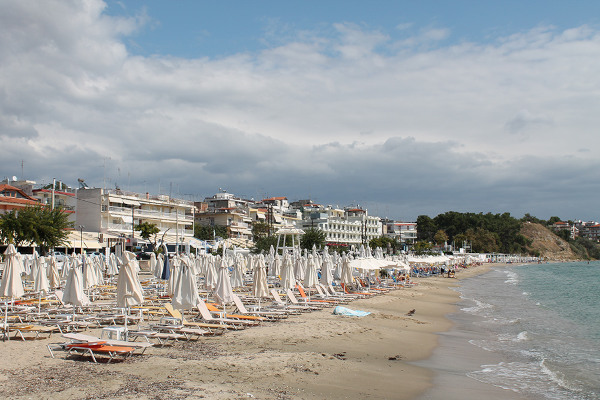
(59, 256)
(143, 255)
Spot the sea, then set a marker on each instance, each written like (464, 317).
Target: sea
(523, 332)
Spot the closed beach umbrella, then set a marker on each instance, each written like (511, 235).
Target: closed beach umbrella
(237, 278)
(210, 280)
(259, 286)
(74, 293)
(275, 266)
(346, 274)
(299, 268)
(112, 268)
(288, 281)
(40, 280)
(326, 273)
(185, 292)
(223, 291)
(12, 284)
(166, 272)
(310, 276)
(153, 263)
(129, 289)
(54, 277)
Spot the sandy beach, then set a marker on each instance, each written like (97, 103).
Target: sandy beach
(314, 355)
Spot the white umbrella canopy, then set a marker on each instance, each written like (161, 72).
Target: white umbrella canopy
(113, 268)
(40, 280)
(275, 266)
(346, 274)
(54, 277)
(89, 275)
(259, 286)
(223, 291)
(311, 277)
(153, 264)
(129, 289)
(74, 293)
(299, 268)
(174, 267)
(326, 271)
(288, 281)
(237, 278)
(12, 284)
(210, 279)
(185, 291)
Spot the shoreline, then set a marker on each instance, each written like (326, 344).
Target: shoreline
(309, 356)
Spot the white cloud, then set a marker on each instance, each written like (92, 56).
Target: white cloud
(441, 120)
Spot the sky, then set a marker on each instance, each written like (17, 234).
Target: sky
(402, 107)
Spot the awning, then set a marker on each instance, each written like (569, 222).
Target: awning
(120, 200)
(260, 215)
(277, 218)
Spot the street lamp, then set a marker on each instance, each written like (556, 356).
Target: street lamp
(80, 227)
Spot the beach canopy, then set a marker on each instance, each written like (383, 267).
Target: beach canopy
(129, 289)
(259, 286)
(185, 291)
(12, 284)
(288, 281)
(74, 293)
(223, 291)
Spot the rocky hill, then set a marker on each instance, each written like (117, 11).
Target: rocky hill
(547, 243)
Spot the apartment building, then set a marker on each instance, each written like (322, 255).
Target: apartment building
(116, 213)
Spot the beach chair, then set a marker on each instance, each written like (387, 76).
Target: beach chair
(214, 309)
(20, 329)
(92, 346)
(315, 305)
(213, 329)
(305, 298)
(269, 315)
(80, 337)
(290, 308)
(206, 315)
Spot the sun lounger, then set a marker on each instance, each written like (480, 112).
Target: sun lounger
(290, 308)
(213, 309)
(80, 337)
(20, 329)
(214, 329)
(271, 315)
(305, 298)
(207, 316)
(92, 346)
(315, 305)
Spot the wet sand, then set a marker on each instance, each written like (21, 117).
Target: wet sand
(314, 355)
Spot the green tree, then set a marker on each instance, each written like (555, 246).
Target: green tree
(51, 228)
(312, 237)
(263, 244)
(440, 237)
(384, 243)
(260, 230)
(148, 230)
(426, 228)
(209, 232)
(37, 225)
(422, 247)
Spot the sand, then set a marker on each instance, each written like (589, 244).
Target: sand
(314, 355)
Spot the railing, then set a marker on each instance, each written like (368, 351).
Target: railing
(140, 212)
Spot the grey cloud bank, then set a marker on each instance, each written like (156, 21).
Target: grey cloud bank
(402, 128)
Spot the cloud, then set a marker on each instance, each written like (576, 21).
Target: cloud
(343, 114)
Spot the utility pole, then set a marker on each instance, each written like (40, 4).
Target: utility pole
(53, 188)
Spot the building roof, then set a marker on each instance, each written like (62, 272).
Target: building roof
(275, 198)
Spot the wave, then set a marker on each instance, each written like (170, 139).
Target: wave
(512, 276)
(557, 376)
(479, 306)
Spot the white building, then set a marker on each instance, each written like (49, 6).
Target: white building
(346, 227)
(116, 213)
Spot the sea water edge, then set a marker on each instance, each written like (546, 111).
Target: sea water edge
(523, 332)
